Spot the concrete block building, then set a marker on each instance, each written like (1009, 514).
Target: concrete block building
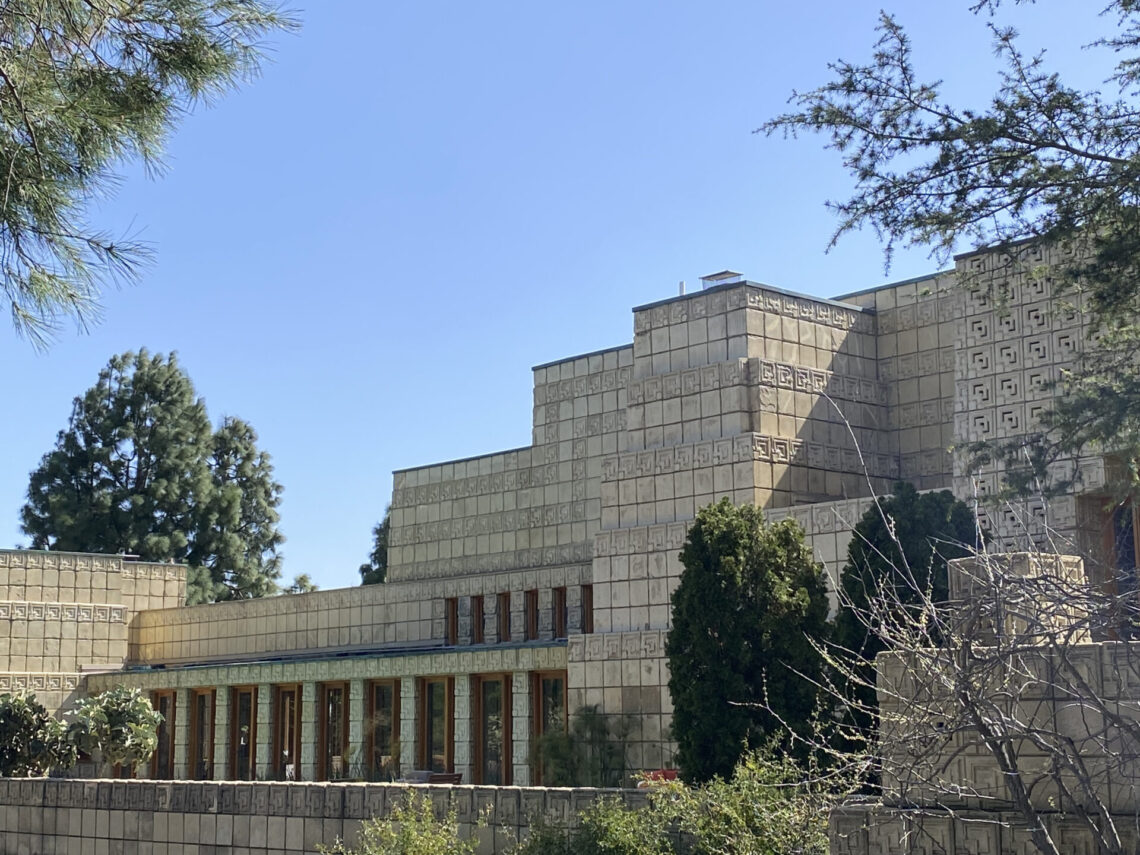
(524, 584)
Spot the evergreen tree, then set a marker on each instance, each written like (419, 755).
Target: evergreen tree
(1042, 163)
(237, 528)
(741, 658)
(376, 570)
(899, 548)
(139, 471)
(84, 88)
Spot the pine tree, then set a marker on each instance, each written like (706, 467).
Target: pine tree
(741, 659)
(1043, 163)
(237, 537)
(376, 570)
(84, 88)
(139, 471)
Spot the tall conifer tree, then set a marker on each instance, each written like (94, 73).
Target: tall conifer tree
(139, 471)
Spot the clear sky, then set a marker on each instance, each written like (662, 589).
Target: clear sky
(363, 252)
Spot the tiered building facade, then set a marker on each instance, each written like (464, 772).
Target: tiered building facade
(525, 584)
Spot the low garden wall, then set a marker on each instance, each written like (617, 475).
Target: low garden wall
(49, 816)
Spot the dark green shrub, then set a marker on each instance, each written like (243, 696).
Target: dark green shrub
(32, 742)
(590, 753)
(742, 662)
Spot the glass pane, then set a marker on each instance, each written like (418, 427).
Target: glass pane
(164, 763)
(492, 732)
(287, 736)
(334, 733)
(383, 720)
(553, 704)
(203, 736)
(1124, 536)
(243, 723)
(437, 727)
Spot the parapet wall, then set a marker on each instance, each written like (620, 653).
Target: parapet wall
(49, 815)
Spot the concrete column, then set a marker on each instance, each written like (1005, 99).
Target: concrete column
(546, 613)
(463, 749)
(407, 724)
(182, 734)
(518, 616)
(488, 618)
(309, 732)
(520, 728)
(491, 619)
(465, 632)
(573, 609)
(222, 770)
(357, 765)
(264, 747)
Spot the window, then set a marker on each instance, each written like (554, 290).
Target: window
(548, 704)
(162, 762)
(492, 697)
(504, 616)
(382, 731)
(559, 609)
(436, 724)
(243, 733)
(531, 605)
(477, 619)
(451, 615)
(202, 706)
(287, 733)
(334, 732)
(587, 608)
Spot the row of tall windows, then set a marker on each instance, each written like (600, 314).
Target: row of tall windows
(379, 757)
(559, 616)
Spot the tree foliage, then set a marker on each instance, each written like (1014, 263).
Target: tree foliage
(768, 806)
(84, 88)
(139, 471)
(376, 570)
(592, 752)
(31, 741)
(741, 655)
(410, 829)
(903, 541)
(120, 725)
(898, 554)
(1043, 163)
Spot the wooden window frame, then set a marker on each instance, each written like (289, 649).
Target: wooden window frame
(170, 724)
(193, 748)
(537, 728)
(235, 694)
(587, 609)
(451, 620)
(323, 689)
(277, 767)
(423, 760)
(477, 721)
(504, 617)
(477, 620)
(558, 608)
(370, 729)
(530, 609)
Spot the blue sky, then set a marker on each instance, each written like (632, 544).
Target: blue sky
(364, 251)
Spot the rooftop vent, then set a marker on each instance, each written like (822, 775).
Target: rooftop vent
(725, 277)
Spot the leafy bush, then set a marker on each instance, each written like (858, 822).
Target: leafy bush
(120, 725)
(770, 806)
(410, 829)
(31, 741)
(591, 753)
